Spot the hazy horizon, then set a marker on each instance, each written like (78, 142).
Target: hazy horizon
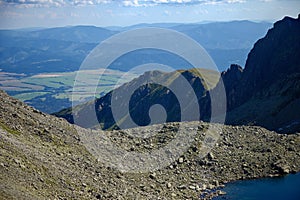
(125, 26)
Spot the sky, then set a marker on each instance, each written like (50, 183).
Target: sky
(103, 13)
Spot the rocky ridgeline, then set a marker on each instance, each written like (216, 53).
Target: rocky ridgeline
(265, 93)
(43, 157)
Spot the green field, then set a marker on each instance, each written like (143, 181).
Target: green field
(29, 95)
(58, 87)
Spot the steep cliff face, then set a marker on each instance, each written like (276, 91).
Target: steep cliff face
(275, 107)
(273, 58)
(268, 93)
(231, 78)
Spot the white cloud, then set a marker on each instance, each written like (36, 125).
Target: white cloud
(146, 3)
(51, 3)
(127, 3)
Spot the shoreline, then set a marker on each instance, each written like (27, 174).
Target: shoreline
(262, 187)
(219, 190)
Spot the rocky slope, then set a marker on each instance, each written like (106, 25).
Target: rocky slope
(43, 157)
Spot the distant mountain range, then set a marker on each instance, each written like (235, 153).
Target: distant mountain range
(265, 93)
(33, 51)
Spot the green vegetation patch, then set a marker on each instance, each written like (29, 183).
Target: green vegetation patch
(9, 130)
(29, 95)
(56, 88)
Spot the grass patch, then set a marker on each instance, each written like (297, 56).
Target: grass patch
(9, 130)
(30, 95)
(60, 84)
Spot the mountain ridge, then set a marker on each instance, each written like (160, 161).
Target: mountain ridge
(271, 63)
(244, 87)
(143, 98)
(275, 54)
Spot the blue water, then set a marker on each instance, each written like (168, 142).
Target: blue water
(279, 188)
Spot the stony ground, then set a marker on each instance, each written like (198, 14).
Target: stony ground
(43, 157)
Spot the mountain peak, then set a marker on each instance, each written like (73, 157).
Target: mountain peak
(287, 21)
(259, 94)
(234, 68)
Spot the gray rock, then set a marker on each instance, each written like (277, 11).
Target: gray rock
(180, 160)
(182, 187)
(211, 156)
(169, 185)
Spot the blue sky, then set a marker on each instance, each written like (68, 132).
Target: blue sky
(53, 13)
